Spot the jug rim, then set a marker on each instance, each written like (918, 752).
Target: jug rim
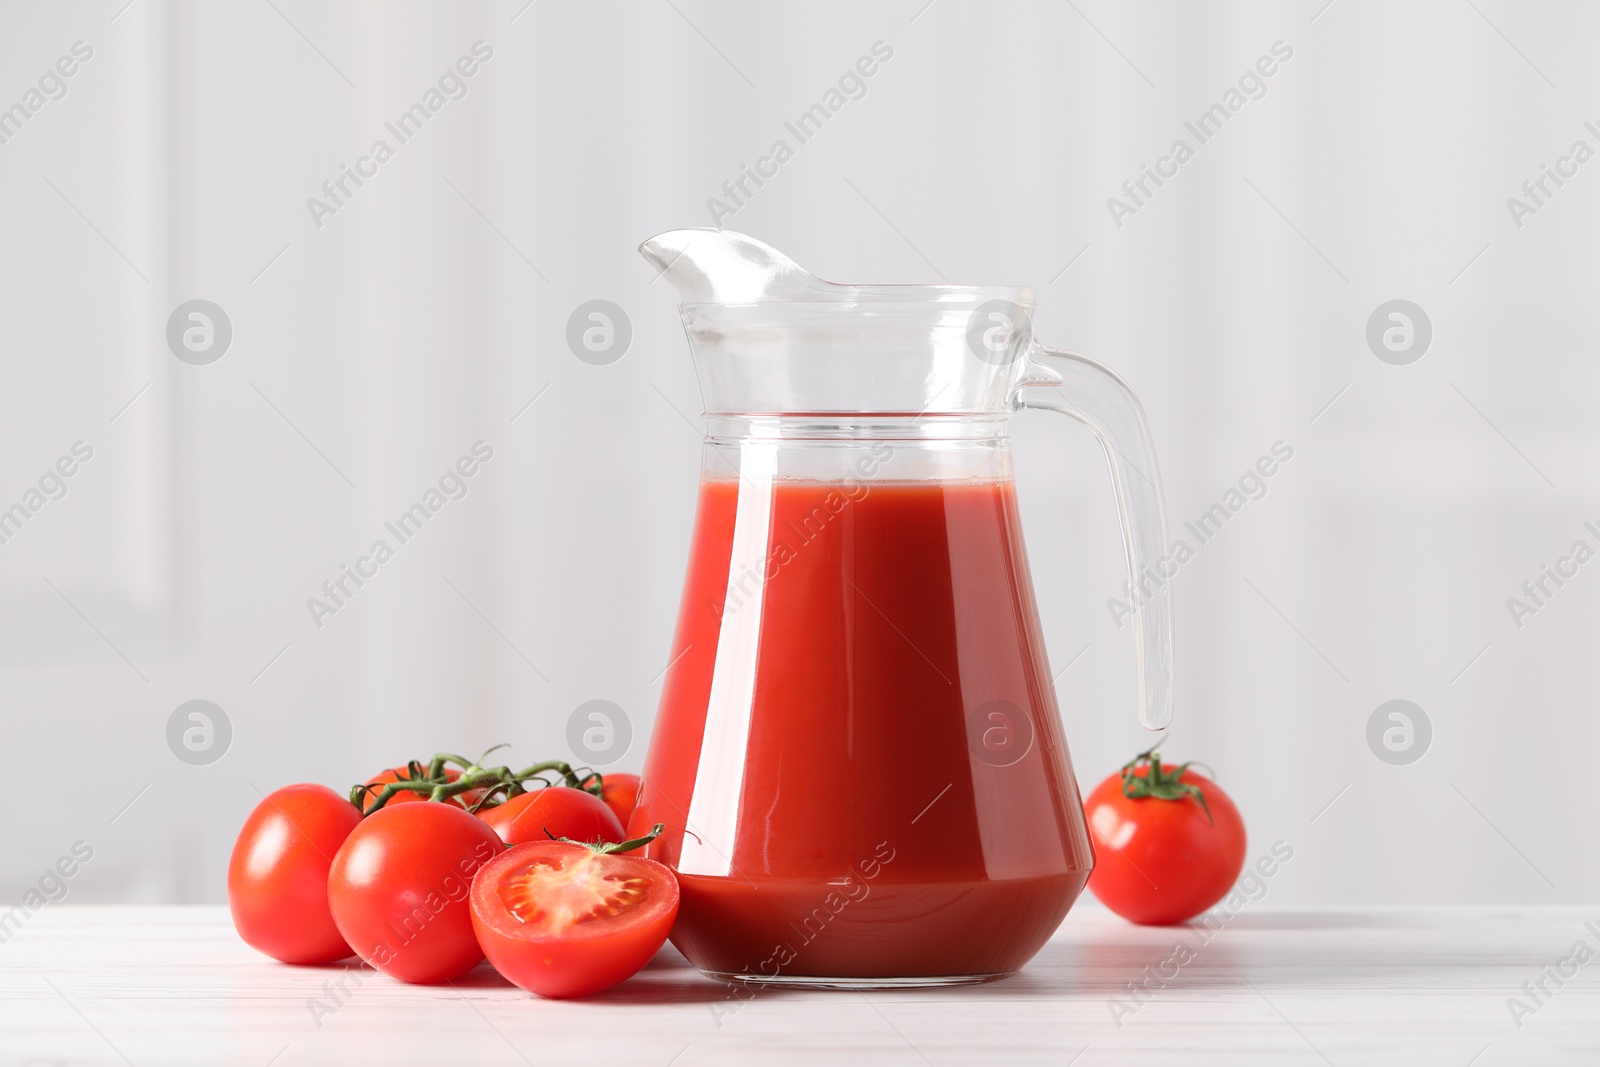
(909, 294)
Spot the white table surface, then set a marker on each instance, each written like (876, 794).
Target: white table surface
(149, 986)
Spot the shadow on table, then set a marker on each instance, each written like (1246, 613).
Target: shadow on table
(667, 979)
(1101, 961)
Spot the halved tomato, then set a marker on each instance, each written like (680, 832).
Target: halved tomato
(564, 920)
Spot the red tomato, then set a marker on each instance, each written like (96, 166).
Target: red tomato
(1160, 858)
(621, 793)
(561, 920)
(562, 811)
(278, 874)
(403, 774)
(398, 889)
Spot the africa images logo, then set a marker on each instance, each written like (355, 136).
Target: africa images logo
(851, 85)
(452, 85)
(52, 85)
(1252, 85)
(453, 485)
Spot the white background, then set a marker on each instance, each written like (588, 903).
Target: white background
(432, 308)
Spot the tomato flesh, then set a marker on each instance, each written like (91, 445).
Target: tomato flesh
(561, 920)
(278, 874)
(547, 898)
(1160, 862)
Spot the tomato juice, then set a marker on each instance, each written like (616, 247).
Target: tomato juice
(857, 754)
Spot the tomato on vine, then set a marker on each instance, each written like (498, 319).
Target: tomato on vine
(388, 873)
(413, 772)
(398, 889)
(278, 873)
(620, 791)
(555, 811)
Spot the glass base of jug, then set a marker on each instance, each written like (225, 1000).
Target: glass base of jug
(807, 981)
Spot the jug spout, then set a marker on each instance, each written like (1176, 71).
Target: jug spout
(709, 266)
(768, 336)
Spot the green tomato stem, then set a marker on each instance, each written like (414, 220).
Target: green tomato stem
(1159, 784)
(498, 784)
(607, 848)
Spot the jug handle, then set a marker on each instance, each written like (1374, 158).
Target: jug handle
(1095, 396)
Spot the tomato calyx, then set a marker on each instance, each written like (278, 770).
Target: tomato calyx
(1160, 784)
(607, 848)
(448, 775)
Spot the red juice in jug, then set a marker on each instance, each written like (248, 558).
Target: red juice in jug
(857, 754)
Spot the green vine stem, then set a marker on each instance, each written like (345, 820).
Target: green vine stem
(496, 784)
(606, 848)
(1159, 783)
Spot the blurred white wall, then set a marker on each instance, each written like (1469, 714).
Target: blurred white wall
(369, 352)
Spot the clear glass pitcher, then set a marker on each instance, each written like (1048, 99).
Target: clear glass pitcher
(857, 755)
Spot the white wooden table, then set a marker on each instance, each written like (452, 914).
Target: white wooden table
(163, 986)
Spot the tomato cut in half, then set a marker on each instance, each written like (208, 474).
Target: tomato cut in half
(554, 811)
(562, 920)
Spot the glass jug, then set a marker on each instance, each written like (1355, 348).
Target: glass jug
(857, 755)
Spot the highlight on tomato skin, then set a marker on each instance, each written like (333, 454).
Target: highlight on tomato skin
(550, 812)
(562, 920)
(278, 874)
(1168, 841)
(398, 889)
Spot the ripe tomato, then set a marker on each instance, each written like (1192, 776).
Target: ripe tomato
(398, 889)
(621, 793)
(562, 920)
(1168, 851)
(278, 874)
(562, 811)
(403, 774)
